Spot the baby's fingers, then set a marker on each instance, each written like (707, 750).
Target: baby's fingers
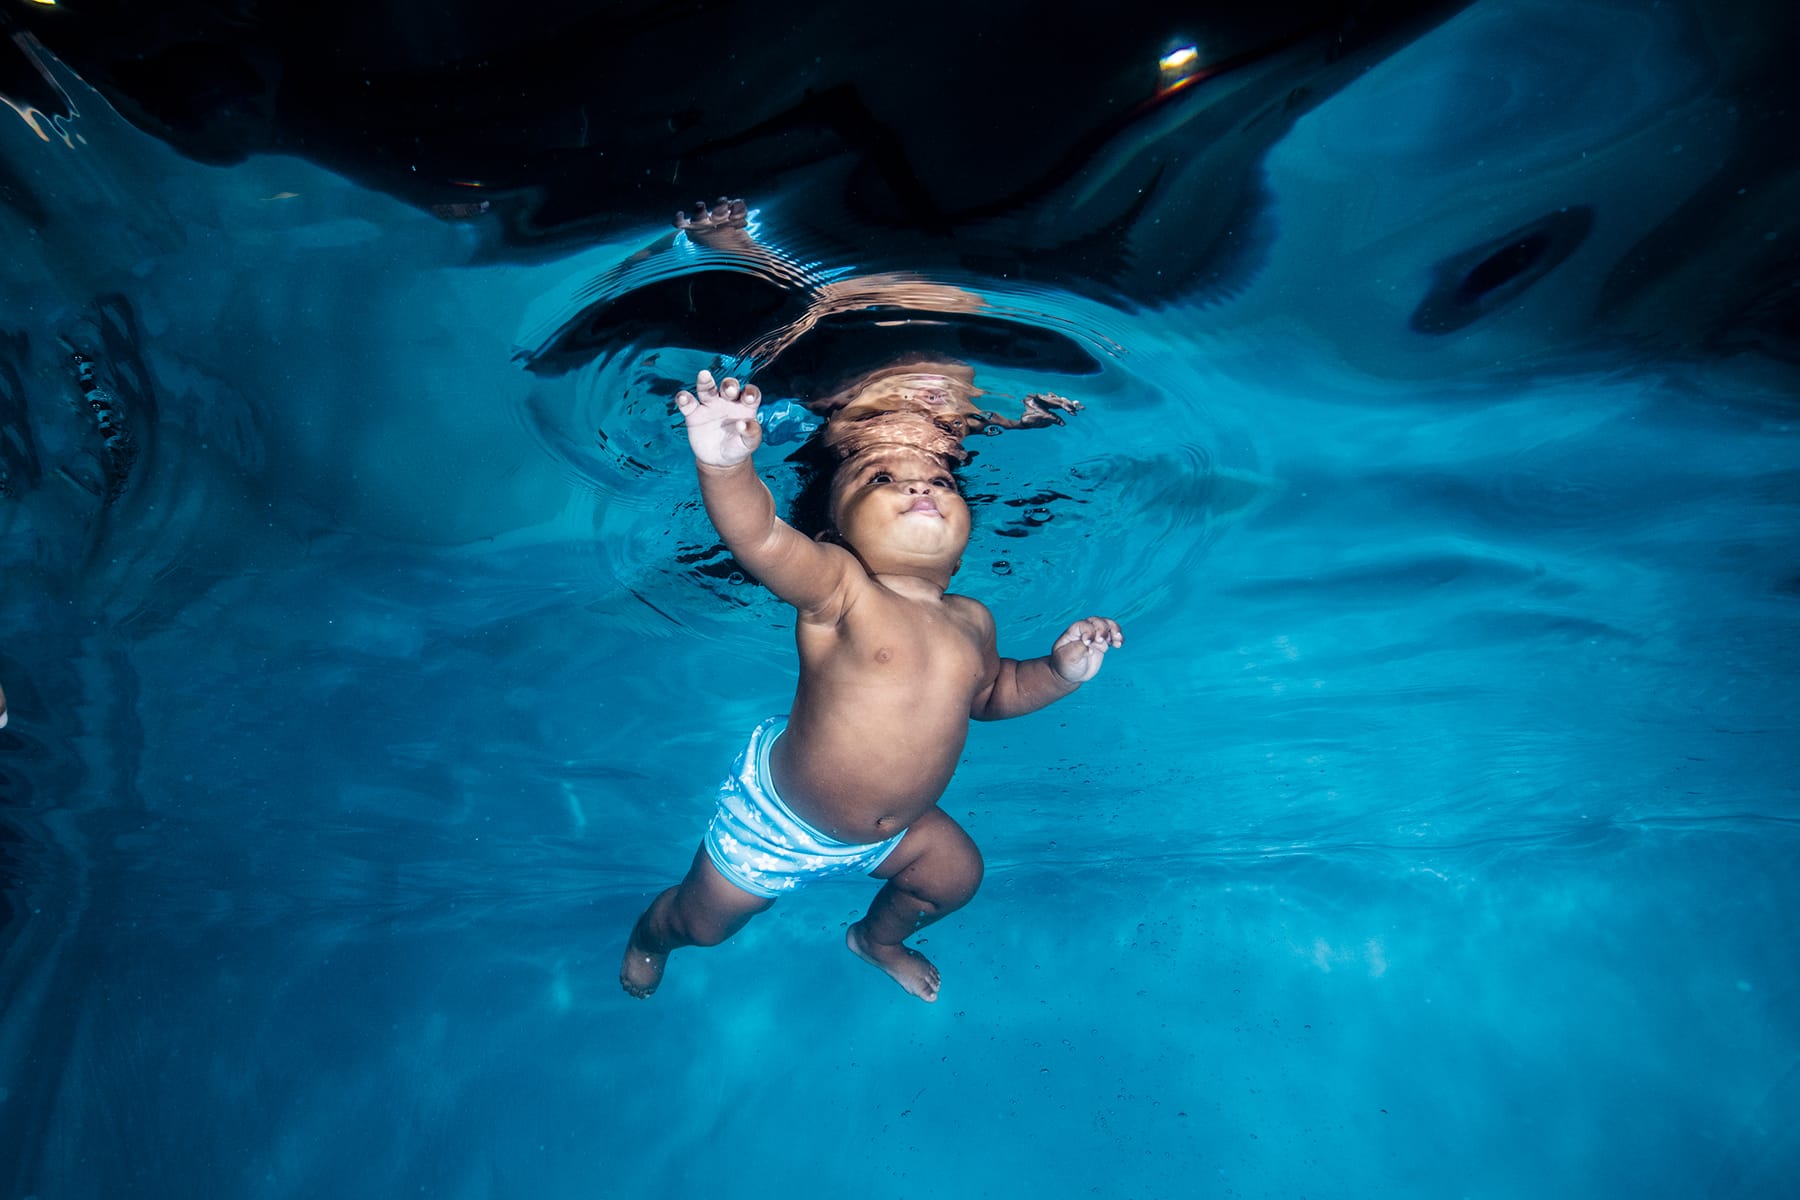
(684, 400)
(709, 391)
(1103, 630)
(734, 393)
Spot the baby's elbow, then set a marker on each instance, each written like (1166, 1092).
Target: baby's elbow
(991, 707)
(982, 708)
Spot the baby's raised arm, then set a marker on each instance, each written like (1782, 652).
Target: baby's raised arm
(723, 434)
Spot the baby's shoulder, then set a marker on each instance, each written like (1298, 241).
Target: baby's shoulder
(970, 609)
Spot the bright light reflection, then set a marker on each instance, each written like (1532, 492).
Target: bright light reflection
(1177, 69)
(1175, 60)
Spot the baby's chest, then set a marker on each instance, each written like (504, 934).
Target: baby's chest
(940, 649)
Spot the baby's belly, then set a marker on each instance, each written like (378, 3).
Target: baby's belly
(861, 787)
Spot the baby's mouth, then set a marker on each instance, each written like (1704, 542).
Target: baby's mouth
(924, 504)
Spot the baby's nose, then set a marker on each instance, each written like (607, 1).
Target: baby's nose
(917, 485)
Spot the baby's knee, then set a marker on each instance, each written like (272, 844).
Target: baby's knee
(974, 866)
(972, 880)
(960, 879)
(697, 927)
(704, 924)
(702, 934)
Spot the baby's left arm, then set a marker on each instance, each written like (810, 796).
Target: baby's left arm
(1016, 688)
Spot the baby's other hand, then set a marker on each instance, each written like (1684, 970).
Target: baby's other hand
(721, 420)
(1078, 653)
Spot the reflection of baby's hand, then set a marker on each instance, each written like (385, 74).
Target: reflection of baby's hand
(1078, 653)
(725, 213)
(1037, 409)
(2, 708)
(721, 420)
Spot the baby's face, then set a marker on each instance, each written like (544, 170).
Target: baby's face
(899, 509)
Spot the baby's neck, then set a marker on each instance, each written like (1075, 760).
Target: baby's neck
(912, 587)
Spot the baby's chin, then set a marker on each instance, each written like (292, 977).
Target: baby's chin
(930, 548)
(923, 531)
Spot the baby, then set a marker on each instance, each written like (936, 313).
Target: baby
(892, 667)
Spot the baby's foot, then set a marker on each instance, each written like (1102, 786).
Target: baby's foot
(641, 970)
(906, 966)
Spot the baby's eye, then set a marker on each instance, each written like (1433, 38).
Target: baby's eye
(943, 481)
(881, 477)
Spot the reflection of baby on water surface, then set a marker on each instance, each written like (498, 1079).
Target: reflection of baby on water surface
(893, 667)
(916, 389)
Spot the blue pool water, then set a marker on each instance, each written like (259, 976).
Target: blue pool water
(1435, 833)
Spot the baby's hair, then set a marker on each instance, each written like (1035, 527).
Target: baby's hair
(810, 510)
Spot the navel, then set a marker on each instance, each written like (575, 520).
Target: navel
(883, 654)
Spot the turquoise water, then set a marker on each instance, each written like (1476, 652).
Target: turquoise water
(1434, 834)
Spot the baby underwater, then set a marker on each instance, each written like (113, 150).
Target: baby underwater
(893, 667)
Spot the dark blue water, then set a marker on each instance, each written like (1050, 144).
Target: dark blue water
(1433, 835)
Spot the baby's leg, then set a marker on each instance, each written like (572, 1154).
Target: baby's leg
(703, 910)
(932, 872)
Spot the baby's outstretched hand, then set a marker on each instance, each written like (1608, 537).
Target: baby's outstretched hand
(721, 420)
(1079, 652)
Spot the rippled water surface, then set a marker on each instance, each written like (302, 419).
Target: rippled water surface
(1433, 835)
